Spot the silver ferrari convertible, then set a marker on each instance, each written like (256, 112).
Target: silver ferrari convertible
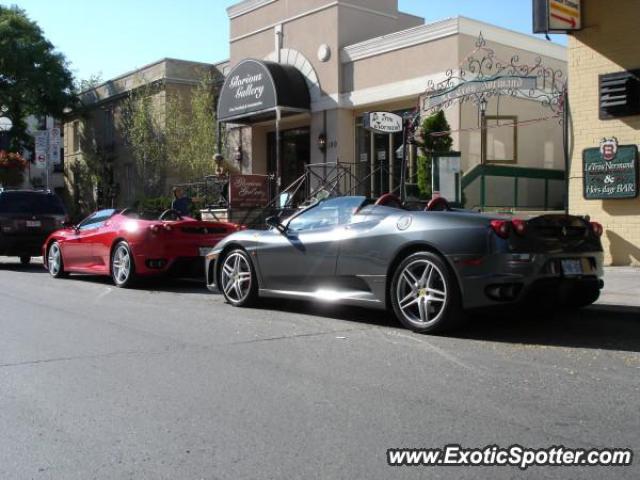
(429, 267)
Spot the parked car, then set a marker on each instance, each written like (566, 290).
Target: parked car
(27, 217)
(127, 245)
(426, 266)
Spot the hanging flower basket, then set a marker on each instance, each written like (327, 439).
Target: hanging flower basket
(12, 167)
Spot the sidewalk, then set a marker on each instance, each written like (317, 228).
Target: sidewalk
(621, 287)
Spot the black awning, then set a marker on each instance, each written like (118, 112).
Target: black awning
(254, 89)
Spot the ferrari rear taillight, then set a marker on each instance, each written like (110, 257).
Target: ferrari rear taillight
(597, 229)
(519, 226)
(501, 227)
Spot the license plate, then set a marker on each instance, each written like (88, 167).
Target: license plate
(204, 251)
(34, 223)
(572, 267)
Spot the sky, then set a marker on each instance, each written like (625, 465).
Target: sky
(117, 36)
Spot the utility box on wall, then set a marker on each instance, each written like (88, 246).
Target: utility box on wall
(619, 94)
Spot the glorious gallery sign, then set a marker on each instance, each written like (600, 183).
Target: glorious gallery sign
(248, 89)
(255, 89)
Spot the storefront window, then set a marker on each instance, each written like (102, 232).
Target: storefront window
(502, 139)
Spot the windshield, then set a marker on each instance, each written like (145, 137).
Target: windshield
(31, 203)
(327, 213)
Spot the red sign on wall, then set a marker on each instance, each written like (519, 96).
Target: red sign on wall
(248, 191)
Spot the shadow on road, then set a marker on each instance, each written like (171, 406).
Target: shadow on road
(596, 327)
(18, 267)
(152, 284)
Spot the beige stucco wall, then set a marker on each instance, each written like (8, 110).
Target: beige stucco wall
(606, 45)
(399, 65)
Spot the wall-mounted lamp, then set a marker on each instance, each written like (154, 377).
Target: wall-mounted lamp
(322, 142)
(237, 154)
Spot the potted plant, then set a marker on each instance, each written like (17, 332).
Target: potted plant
(12, 167)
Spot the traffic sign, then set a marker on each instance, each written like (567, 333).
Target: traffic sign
(41, 138)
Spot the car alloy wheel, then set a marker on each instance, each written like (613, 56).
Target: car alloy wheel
(421, 292)
(54, 260)
(424, 294)
(122, 267)
(237, 279)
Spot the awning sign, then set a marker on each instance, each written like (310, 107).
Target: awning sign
(610, 171)
(382, 122)
(557, 15)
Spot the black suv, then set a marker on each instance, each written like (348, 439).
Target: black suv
(27, 217)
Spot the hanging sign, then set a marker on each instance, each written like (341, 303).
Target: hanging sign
(610, 171)
(558, 16)
(248, 191)
(471, 88)
(382, 122)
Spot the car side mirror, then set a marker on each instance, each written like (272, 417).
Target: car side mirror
(69, 225)
(274, 222)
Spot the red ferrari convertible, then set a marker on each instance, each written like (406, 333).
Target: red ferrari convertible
(125, 245)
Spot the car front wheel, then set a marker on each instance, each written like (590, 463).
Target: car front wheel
(122, 266)
(425, 295)
(238, 279)
(55, 265)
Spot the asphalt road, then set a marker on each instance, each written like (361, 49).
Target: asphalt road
(167, 381)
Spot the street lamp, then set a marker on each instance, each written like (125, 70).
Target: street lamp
(483, 130)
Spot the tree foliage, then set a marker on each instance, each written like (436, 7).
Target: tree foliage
(434, 138)
(34, 78)
(143, 125)
(192, 132)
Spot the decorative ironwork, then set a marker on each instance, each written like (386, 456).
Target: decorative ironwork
(483, 75)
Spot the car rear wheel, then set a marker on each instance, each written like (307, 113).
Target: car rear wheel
(238, 279)
(425, 295)
(55, 265)
(122, 266)
(25, 260)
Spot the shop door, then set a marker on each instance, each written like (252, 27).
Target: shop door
(295, 149)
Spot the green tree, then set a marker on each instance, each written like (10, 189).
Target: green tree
(434, 138)
(143, 119)
(192, 133)
(34, 78)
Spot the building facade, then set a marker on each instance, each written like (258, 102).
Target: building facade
(606, 49)
(95, 143)
(358, 56)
